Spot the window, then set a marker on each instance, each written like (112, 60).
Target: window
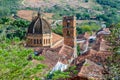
(40, 41)
(34, 41)
(68, 33)
(37, 41)
(68, 23)
(44, 41)
(49, 41)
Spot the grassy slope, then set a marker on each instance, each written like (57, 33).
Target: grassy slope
(14, 64)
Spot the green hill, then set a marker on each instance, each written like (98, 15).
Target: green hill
(14, 63)
(100, 10)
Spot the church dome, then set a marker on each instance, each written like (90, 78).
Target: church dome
(39, 26)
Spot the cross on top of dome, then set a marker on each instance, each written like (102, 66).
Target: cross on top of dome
(39, 12)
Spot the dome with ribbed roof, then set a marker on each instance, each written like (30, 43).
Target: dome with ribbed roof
(39, 26)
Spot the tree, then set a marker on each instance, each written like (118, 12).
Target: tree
(58, 29)
(87, 27)
(113, 62)
(13, 28)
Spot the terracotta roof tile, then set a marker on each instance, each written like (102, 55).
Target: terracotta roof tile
(94, 56)
(56, 38)
(91, 70)
(66, 51)
(51, 58)
(53, 55)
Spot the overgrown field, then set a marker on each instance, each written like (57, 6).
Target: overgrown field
(14, 63)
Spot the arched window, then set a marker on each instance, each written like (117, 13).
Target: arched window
(49, 41)
(37, 41)
(40, 41)
(68, 23)
(44, 41)
(68, 33)
(34, 41)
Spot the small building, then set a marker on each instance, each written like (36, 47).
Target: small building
(91, 70)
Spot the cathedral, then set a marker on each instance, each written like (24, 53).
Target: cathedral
(40, 33)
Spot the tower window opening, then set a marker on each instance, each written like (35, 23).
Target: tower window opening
(68, 33)
(68, 23)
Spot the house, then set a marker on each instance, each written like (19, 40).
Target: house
(101, 43)
(90, 65)
(91, 70)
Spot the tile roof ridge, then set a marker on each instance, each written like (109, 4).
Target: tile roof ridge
(67, 46)
(61, 49)
(87, 60)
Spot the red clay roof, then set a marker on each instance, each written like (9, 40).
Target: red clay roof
(66, 51)
(53, 55)
(94, 56)
(56, 38)
(91, 70)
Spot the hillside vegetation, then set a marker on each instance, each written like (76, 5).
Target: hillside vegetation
(99, 10)
(14, 57)
(8, 7)
(14, 64)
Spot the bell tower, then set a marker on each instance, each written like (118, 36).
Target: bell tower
(69, 30)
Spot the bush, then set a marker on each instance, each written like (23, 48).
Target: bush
(58, 29)
(13, 28)
(89, 27)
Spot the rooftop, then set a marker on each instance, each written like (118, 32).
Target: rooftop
(57, 39)
(91, 70)
(39, 25)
